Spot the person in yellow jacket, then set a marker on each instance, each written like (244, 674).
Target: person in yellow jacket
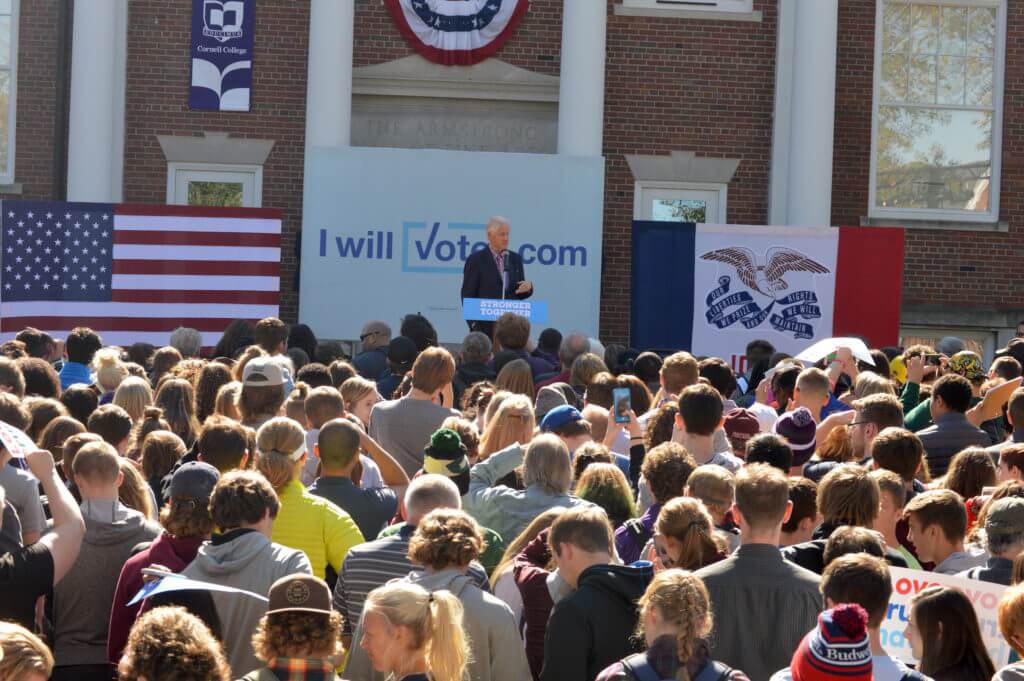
(305, 522)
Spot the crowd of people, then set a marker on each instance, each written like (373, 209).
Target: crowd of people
(271, 509)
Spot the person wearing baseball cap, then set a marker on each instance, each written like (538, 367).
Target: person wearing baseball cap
(967, 364)
(1004, 539)
(263, 391)
(741, 425)
(401, 353)
(187, 524)
(299, 638)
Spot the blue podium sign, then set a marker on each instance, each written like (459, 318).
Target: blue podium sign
(488, 309)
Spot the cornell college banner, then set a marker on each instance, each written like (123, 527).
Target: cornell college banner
(712, 289)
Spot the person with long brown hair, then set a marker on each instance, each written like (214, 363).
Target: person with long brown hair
(944, 634)
(178, 400)
(675, 621)
(212, 377)
(516, 377)
(684, 537)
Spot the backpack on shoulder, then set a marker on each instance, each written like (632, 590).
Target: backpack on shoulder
(641, 535)
(643, 671)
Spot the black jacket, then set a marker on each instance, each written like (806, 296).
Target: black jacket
(468, 374)
(480, 278)
(594, 626)
(811, 554)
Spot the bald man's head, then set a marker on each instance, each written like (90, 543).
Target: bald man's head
(338, 444)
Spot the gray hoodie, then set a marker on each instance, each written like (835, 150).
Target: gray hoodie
(498, 651)
(81, 600)
(249, 561)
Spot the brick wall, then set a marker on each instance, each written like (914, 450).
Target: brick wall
(685, 85)
(37, 101)
(157, 104)
(959, 268)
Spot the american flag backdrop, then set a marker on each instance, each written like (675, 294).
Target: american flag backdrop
(135, 273)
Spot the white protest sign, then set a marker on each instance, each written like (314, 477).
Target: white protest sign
(16, 442)
(174, 582)
(984, 596)
(827, 346)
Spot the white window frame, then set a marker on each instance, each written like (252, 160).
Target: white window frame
(999, 66)
(7, 174)
(645, 185)
(227, 173)
(738, 6)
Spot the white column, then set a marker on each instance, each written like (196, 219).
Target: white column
(329, 82)
(581, 88)
(96, 125)
(801, 182)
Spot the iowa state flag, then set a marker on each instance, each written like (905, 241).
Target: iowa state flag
(711, 289)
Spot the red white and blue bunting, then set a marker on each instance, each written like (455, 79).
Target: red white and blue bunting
(457, 32)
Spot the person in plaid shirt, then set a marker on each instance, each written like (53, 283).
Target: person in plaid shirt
(299, 639)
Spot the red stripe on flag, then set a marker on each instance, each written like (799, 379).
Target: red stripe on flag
(226, 297)
(115, 323)
(196, 211)
(869, 284)
(142, 237)
(198, 267)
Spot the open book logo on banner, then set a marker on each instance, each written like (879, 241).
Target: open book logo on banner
(783, 309)
(222, 21)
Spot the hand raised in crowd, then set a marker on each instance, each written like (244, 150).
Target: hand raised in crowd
(915, 369)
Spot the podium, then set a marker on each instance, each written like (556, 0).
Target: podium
(489, 309)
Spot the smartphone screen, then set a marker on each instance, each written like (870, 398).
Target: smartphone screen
(621, 404)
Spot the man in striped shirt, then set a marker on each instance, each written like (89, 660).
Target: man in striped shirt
(375, 563)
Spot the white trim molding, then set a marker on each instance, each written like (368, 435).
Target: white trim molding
(701, 10)
(682, 166)
(7, 173)
(217, 172)
(215, 147)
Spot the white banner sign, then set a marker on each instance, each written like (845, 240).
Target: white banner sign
(386, 232)
(984, 596)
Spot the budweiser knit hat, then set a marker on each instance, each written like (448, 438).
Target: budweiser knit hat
(838, 648)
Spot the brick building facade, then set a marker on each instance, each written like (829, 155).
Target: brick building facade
(703, 84)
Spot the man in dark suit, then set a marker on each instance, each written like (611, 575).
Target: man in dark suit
(494, 272)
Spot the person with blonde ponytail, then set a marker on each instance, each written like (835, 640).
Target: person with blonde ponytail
(306, 522)
(415, 635)
(675, 621)
(444, 545)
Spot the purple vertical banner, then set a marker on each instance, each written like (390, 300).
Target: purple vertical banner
(222, 40)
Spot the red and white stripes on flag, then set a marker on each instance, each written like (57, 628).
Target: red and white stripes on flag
(170, 266)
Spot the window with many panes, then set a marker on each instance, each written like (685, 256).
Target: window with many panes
(937, 109)
(8, 82)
